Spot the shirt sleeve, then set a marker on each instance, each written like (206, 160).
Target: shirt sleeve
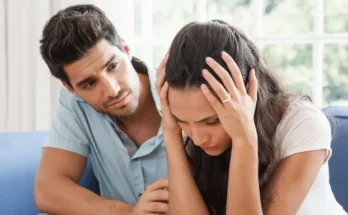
(66, 132)
(305, 129)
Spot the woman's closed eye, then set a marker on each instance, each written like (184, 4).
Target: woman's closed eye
(212, 122)
(179, 121)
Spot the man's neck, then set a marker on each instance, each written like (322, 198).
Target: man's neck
(145, 122)
(146, 112)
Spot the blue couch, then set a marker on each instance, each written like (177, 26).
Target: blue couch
(20, 155)
(339, 159)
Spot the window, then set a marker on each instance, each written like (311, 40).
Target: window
(304, 42)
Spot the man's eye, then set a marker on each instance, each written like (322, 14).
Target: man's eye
(89, 85)
(113, 66)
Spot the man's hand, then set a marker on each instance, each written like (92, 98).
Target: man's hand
(154, 200)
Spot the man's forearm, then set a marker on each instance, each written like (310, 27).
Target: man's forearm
(64, 196)
(114, 207)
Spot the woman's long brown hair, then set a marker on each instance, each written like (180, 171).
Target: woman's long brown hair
(187, 54)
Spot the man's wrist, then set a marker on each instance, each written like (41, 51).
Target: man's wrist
(115, 207)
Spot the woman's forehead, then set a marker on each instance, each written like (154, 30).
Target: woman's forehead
(189, 104)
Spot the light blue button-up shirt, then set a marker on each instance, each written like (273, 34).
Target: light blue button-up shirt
(122, 174)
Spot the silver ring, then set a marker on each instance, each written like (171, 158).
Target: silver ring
(226, 100)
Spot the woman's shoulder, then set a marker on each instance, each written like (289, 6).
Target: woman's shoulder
(301, 110)
(303, 127)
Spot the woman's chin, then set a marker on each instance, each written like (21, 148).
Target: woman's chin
(213, 152)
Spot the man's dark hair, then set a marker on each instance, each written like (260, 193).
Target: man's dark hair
(70, 33)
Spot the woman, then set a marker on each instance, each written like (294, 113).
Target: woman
(251, 148)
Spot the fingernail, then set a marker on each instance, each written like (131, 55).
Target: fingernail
(223, 53)
(208, 59)
(204, 72)
(203, 87)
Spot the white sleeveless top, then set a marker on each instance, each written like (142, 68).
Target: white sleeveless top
(305, 128)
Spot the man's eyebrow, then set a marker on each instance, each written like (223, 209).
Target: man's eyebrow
(108, 62)
(88, 79)
(84, 81)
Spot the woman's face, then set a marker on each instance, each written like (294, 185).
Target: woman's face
(198, 120)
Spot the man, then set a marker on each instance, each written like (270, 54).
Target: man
(109, 110)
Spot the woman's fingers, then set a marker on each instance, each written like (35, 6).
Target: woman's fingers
(215, 85)
(162, 64)
(214, 102)
(161, 77)
(224, 76)
(253, 85)
(235, 72)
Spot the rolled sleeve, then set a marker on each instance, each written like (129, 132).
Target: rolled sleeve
(66, 132)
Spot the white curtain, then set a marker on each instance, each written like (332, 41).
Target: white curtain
(28, 93)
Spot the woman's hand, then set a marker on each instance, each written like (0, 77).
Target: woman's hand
(170, 126)
(234, 104)
(184, 196)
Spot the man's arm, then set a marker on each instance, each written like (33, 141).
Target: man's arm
(57, 190)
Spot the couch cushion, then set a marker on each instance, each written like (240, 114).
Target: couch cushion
(339, 160)
(20, 155)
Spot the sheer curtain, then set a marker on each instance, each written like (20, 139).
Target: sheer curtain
(28, 93)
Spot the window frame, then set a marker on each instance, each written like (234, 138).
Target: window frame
(318, 38)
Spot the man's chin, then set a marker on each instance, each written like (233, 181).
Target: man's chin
(122, 112)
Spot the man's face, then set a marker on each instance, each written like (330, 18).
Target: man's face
(105, 78)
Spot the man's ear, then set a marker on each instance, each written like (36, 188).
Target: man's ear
(69, 88)
(126, 49)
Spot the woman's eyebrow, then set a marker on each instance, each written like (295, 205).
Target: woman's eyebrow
(206, 118)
